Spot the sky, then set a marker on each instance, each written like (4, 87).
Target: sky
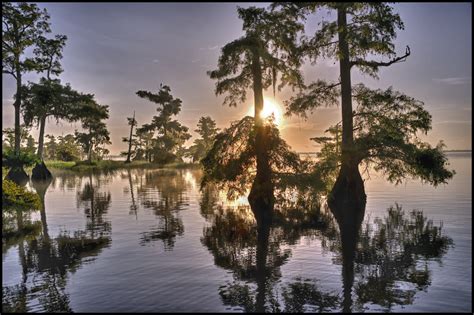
(116, 49)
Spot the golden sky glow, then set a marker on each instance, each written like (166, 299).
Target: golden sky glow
(270, 107)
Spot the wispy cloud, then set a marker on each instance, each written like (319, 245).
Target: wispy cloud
(453, 80)
(155, 61)
(210, 47)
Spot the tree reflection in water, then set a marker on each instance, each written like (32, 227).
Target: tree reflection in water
(48, 261)
(384, 262)
(95, 204)
(254, 250)
(388, 261)
(163, 192)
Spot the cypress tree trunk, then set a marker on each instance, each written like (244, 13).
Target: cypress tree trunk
(17, 105)
(41, 137)
(130, 140)
(349, 186)
(40, 171)
(261, 194)
(346, 89)
(16, 173)
(89, 153)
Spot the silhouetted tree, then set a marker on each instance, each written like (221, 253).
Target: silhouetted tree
(132, 122)
(207, 129)
(231, 162)
(268, 48)
(22, 24)
(49, 98)
(386, 128)
(171, 135)
(360, 29)
(144, 136)
(91, 115)
(49, 54)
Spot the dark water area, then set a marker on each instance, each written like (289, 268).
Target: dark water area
(150, 241)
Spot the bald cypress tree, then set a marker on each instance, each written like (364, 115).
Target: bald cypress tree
(254, 61)
(166, 147)
(360, 30)
(22, 24)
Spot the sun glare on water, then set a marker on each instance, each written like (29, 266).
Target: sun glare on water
(269, 108)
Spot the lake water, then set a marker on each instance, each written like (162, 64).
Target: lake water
(150, 241)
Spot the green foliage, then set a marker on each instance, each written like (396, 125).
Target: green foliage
(97, 135)
(15, 197)
(50, 148)
(30, 144)
(68, 149)
(25, 158)
(22, 24)
(231, 162)
(315, 95)
(8, 137)
(370, 31)
(206, 128)
(51, 98)
(49, 53)
(386, 128)
(167, 146)
(269, 36)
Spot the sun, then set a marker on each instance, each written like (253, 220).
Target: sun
(269, 108)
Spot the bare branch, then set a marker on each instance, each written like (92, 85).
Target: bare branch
(376, 64)
(9, 72)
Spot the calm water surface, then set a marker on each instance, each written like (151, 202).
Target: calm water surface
(150, 241)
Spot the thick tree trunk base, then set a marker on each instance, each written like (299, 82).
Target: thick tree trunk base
(41, 172)
(347, 202)
(347, 198)
(261, 201)
(18, 176)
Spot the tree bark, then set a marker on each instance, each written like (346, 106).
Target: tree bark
(261, 194)
(17, 105)
(41, 137)
(348, 190)
(346, 88)
(89, 153)
(130, 139)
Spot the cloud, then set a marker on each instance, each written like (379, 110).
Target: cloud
(453, 80)
(155, 61)
(210, 47)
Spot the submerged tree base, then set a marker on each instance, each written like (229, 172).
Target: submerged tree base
(348, 198)
(41, 172)
(18, 176)
(261, 201)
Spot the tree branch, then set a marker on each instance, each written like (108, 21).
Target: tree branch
(9, 72)
(376, 64)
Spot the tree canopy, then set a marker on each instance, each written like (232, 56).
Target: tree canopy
(170, 134)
